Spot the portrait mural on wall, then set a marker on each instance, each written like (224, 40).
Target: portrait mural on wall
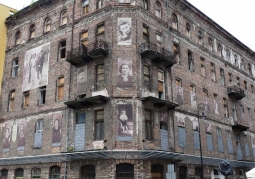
(206, 102)
(7, 135)
(181, 121)
(125, 120)
(179, 94)
(56, 129)
(163, 115)
(216, 108)
(208, 128)
(36, 66)
(21, 135)
(193, 100)
(124, 36)
(195, 125)
(82, 80)
(124, 73)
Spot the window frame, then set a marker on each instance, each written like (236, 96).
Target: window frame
(26, 98)
(54, 175)
(202, 67)
(161, 94)
(101, 127)
(63, 16)
(174, 19)
(62, 48)
(146, 4)
(146, 34)
(39, 126)
(148, 124)
(213, 72)
(77, 118)
(32, 31)
(222, 77)
(47, 24)
(158, 10)
(33, 175)
(17, 38)
(191, 65)
(145, 74)
(11, 105)
(15, 67)
(42, 95)
(225, 106)
(60, 86)
(98, 88)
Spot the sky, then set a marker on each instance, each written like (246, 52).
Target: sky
(235, 16)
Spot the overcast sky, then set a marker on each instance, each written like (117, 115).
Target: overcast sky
(235, 16)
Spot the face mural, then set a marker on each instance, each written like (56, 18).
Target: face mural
(125, 73)
(206, 102)
(125, 121)
(208, 128)
(56, 127)
(22, 133)
(216, 108)
(181, 121)
(81, 80)
(193, 100)
(124, 31)
(163, 116)
(179, 94)
(7, 136)
(36, 66)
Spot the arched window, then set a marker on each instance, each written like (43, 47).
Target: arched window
(17, 38)
(174, 21)
(210, 44)
(183, 172)
(228, 55)
(99, 4)
(88, 171)
(63, 17)
(219, 49)
(47, 23)
(198, 172)
(188, 28)
(36, 173)
(242, 65)
(3, 174)
(85, 6)
(124, 170)
(32, 31)
(54, 172)
(19, 173)
(145, 4)
(157, 171)
(236, 60)
(158, 9)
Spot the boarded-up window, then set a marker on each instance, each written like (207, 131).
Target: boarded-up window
(161, 84)
(178, 82)
(84, 38)
(36, 173)
(146, 34)
(177, 53)
(157, 171)
(17, 38)
(100, 77)
(159, 42)
(26, 96)
(147, 77)
(60, 88)
(148, 124)
(47, 25)
(85, 9)
(12, 100)
(100, 29)
(99, 125)
(63, 17)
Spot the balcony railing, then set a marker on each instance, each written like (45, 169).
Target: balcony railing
(155, 52)
(236, 92)
(78, 56)
(99, 48)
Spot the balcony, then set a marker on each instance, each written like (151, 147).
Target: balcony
(78, 56)
(157, 53)
(97, 49)
(235, 92)
(86, 102)
(159, 102)
(240, 125)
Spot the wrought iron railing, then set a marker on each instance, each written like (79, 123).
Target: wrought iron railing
(235, 89)
(98, 44)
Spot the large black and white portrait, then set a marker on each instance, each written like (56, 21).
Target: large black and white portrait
(7, 136)
(181, 121)
(56, 129)
(216, 108)
(206, 102)
(22, 133)
(36, 66)
(125, 122)
(208, 128)
(193, 100)
(81, 80)
(179, 94)
(163, 116)
(124, 73)
(124, 36)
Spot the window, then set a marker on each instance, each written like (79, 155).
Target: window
(210, 44)
(225, 106)
(63, 17)
(15, 67)
(157, 171)
(202, 66)
(88, 171)
(36, 173)
(26, 99)
(17, 38)
(99, 4)
(148, 124)
(145, 4)
(205, 93)
(100, 31)
(216, 174)
(84, 38)
(219, 49)
(218, 132)
(47, 23)
(147, 77)
(177, 53)
(252, 91)
(174, 21)
(159, 42)
(11, 100)
(230, 77)
(241, 109)
(236, 61)
(183, 172)
(146, 34)
(238, 81)
(99, 125)
(124, 171)
(200, 37)
(228, 55)
(62, 51)
(245, 88)
(3, 174)
(242, 65)
(222, 77)
(158, 9)
(163, 125)
(19, 172)
(249, 69)
(178, 82)
(161, 84)
(249, 112)
(190, 61)
(234, 111)
(241, 175)
(188, 28)
(42, 95)
(198, 172)
(39, 126)
(81, 117)
(32, 31)
(100, 77)
(85, 6)
(60, 88)
(192, 88)
(124, 1)
(54, 172)
(213, 73)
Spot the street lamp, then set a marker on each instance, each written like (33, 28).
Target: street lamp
(201, 108)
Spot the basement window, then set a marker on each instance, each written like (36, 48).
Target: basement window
(54, 172)
(19, 173)
(36, 173)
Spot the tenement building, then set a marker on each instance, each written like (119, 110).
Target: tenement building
(124, 89)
